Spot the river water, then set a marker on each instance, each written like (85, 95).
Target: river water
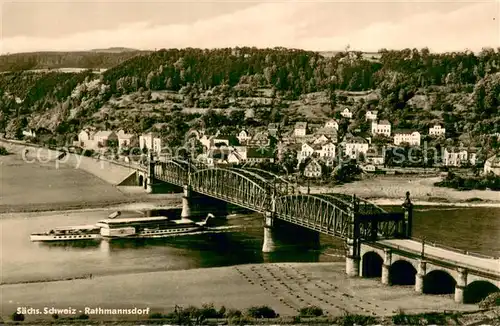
(473, 229)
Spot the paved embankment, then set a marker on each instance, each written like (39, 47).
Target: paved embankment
(110, 172)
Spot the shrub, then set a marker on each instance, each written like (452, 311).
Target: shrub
(17, 317)
(83, 317)
(261, 312)
(3, 151)
(156, 315)
(358, 320)
(311, 311)
(233, 313)
(55, 316)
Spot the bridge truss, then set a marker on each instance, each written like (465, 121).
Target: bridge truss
(338, 215)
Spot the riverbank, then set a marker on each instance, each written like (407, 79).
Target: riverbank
(286, 287)
(391, 190)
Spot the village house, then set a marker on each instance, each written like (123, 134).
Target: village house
(243, 136)
(407, 136)
(381, 128)
(327, 151)
(260, 139)
(371, 115)
(459, 156)
(86, 140)
(375, 156)
(321, 140)
(437, 131)
(218, 156)
(332, 124)
(330, 133)
(300, 129)
(492, 165)
(150, 141)
(306, 151)
(346, 113)
(106, 138)
(29, 133)
(259, 155)
(313, 169)
(125, 140)
(355, 146)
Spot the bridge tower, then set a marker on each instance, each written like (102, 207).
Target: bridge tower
(353, 245)
(269, 244)
(151, 174)
(408, 221)
(186, 196)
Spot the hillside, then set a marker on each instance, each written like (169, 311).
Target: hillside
(170, 89)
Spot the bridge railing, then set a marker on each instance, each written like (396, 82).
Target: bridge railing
(457, 250)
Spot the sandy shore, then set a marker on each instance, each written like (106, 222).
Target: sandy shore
(285, 287)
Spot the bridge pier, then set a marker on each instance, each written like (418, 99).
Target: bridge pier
(352, 258)
(186, 202)
(269, 244)
(419, 277)
(460, 286)
(385, 267)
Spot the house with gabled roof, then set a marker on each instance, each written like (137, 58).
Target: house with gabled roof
(300, 129)
(407, 136)
(492, 165)
(314, 169)
(332, 124)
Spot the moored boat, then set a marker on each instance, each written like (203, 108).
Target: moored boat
(147, 227)
(70, 233)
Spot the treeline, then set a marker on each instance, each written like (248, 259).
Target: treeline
(455, 181)
(54, 60)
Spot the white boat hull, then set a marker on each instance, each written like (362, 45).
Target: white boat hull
(49, 237)
(148, 234)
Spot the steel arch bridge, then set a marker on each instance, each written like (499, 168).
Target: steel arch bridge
(333, 214)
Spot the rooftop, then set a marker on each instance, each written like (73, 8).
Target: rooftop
(301, 125)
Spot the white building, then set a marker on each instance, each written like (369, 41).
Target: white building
(321, 140)
(332, 124)
(300, 129)
(327, 151)
(407, 136)
(124, 139)
(492, 165)
(313, 169)
(305, 151)
(29, 133)
(459, 156)
(381, 128)
(104, 138)
(243, 136)
(151, 142)
(371, 115)
(86, 140)
(354, 146)
(437, 131)
(346, 113)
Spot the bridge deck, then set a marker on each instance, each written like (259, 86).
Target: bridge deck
(484, 264)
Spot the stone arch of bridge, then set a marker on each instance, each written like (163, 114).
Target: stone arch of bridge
(438, 281)
(476, 291)
(371, 264)
(402, 272)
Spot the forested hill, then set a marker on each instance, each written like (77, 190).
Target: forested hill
(411, 88)
(94, 59)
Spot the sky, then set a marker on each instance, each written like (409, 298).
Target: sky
(70, 25)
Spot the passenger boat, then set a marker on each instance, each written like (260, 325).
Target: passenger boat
(147, 227)
(70, 233)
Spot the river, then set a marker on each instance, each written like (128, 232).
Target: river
(473, 229)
